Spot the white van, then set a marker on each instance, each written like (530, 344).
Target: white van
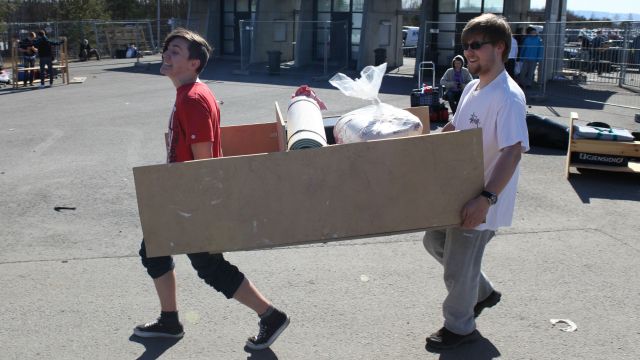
(410, 36)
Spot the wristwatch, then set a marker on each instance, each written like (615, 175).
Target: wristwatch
(491, 197)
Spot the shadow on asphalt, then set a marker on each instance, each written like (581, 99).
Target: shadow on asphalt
(153, 347)
(220, 70)
(568, 94)
(266, 354)
(481, 349)
(539, 150)
(594, 184)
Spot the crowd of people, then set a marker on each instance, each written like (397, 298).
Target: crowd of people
(40, 46)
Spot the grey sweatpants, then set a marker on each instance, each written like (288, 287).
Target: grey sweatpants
(460, 253)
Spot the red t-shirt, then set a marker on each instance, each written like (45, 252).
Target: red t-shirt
(195, 118)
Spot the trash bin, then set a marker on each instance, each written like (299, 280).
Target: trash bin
(381, 56)
(274, 61)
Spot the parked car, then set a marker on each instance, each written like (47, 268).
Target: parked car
(410, 36)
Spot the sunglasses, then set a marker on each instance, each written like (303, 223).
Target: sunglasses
(475, 45)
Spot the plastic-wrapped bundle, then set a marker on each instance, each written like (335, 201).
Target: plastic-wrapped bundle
(305, 127)
(373, 122)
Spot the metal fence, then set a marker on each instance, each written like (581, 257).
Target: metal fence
(110, 38)
(587, 52)
(318, 48)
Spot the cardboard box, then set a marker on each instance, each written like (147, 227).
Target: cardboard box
(267, 198)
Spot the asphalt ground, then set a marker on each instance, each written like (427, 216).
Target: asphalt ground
(73, 286)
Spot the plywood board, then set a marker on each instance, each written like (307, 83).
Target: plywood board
(313, 195)
(422, 112)
(249, 139)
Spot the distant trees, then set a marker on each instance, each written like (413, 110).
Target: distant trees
(59, 10)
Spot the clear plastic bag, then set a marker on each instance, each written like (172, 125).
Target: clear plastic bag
(373, 122)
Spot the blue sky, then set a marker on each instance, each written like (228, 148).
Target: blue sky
(612, 6)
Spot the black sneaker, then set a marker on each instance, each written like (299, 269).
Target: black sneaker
(490, 301)
(271, 326)
(444, 339)
(159, 328)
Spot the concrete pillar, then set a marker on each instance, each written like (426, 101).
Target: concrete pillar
(553, 37)
(382, 28)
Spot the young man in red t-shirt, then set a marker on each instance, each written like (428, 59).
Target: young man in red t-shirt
(194, 133)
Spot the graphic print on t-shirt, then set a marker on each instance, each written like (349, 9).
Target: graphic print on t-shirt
(474, 119)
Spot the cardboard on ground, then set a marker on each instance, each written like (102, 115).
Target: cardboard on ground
(267, 197)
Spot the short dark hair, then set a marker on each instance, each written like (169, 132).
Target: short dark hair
(199, 48)
(42, 33)
(493, 28)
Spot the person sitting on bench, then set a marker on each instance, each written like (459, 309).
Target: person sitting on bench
(454, 80)
(86, 51)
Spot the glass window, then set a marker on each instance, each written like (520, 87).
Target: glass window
(228, 32)
(355, 36)
(229, 5)
(447, 5)
(358, 5)
(470, 6)
(356, 20)
(355, 50)
(340, 5)
(323, 35)
(228, 46)
(324, 5)
(254, 5)
(493, 6)
(324, 17)
(242, 5)
(320, 50)
(228, 19)
(411, 4)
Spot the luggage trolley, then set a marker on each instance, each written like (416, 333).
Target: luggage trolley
(429, 95)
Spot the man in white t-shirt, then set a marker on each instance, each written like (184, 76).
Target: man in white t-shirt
(495, 103)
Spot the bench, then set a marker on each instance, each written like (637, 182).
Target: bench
(630, 149)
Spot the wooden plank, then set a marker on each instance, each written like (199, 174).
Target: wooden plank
(281, 128)
(249, 139)
(618, 148)
(573, 117)
(422, 112)
(633, 167)
(313, 195)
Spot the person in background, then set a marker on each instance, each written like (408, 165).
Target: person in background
(132, 51)
(530, 55)
(86, 51)
(28, 56)
(636, 49)
(454, 80)
(597, 50)
(44, 48)
(510, 65)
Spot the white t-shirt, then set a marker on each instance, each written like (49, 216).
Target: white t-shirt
(513, 53)
(500, 110)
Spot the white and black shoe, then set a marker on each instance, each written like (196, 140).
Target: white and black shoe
(272, 324)
(160, 328)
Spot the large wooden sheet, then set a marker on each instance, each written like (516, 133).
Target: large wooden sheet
(314, 195)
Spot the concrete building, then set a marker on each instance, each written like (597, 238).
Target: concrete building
(348, 32)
